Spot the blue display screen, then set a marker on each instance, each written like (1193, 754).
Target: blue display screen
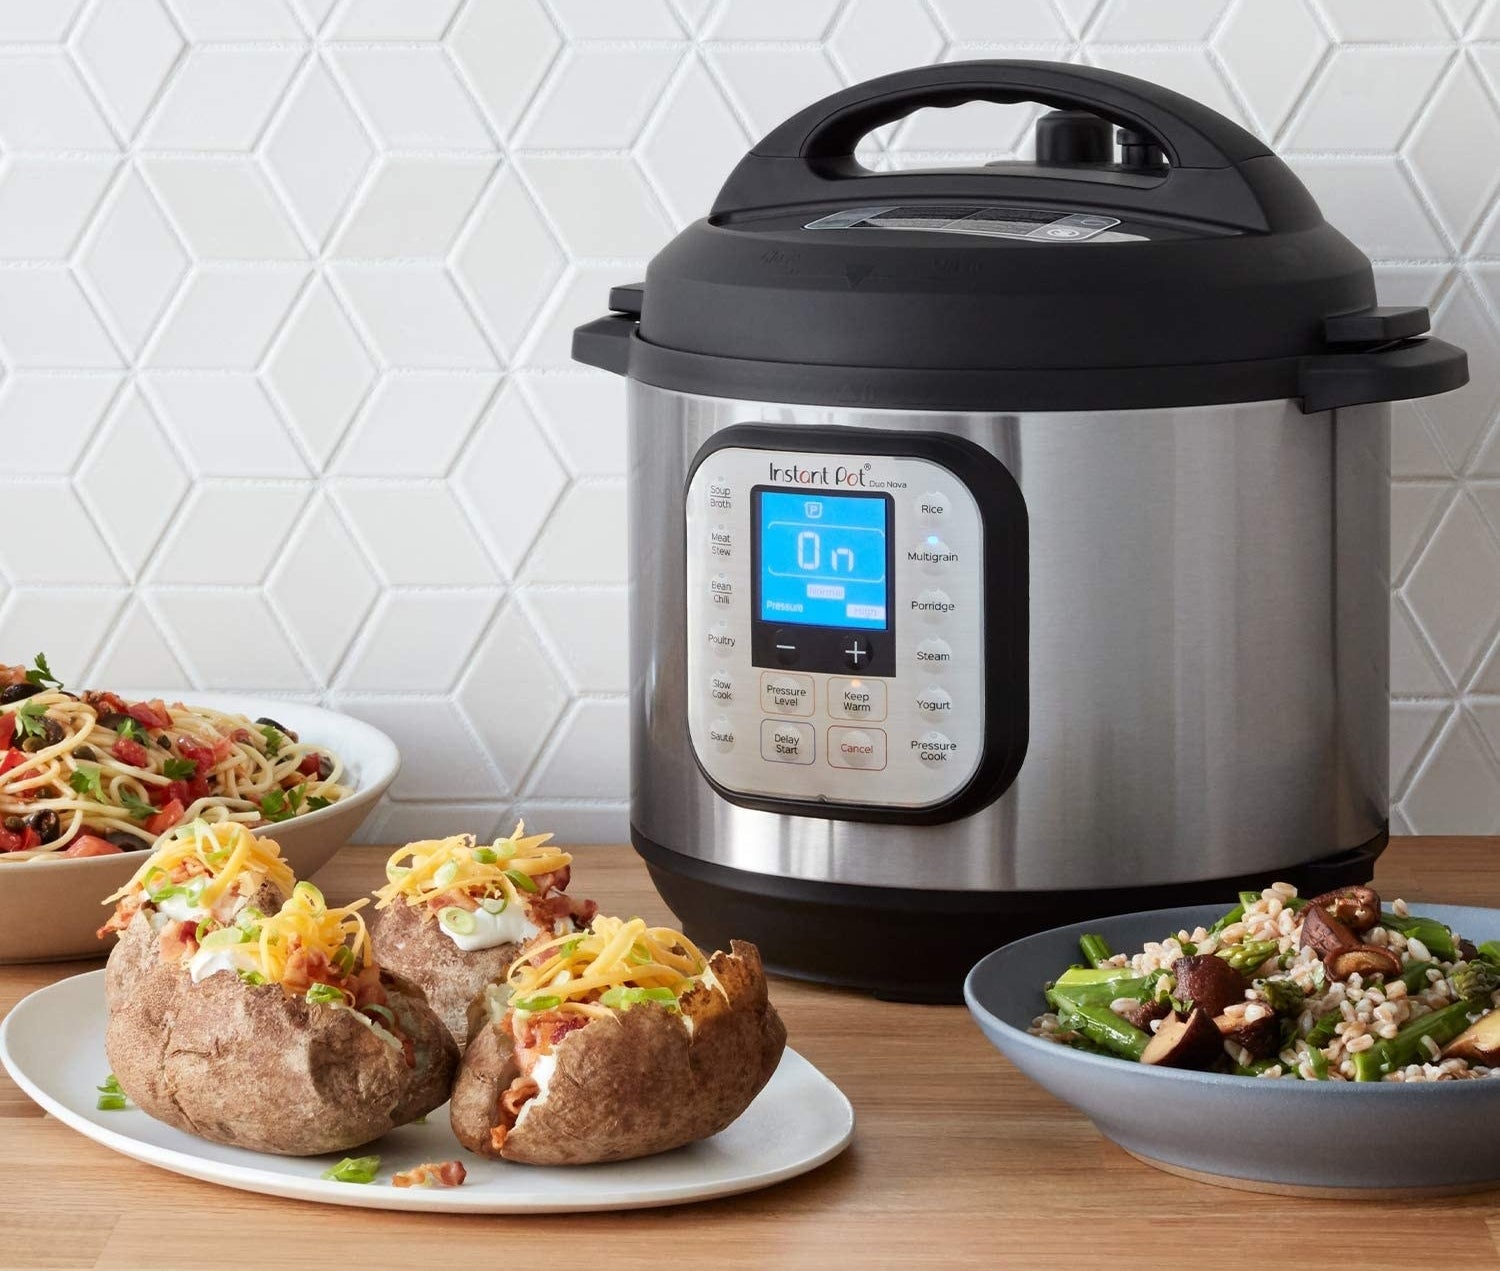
(823, 559)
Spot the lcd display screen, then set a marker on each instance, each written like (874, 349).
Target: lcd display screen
(823, 559)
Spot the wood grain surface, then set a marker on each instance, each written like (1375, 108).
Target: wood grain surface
(957, 1161)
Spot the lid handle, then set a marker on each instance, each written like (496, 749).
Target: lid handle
(810, 157)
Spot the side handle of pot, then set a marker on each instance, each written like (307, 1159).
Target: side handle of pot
(606, 342)
(1393, 373)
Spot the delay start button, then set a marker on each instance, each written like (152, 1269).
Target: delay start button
(785, 741)
(934, 748)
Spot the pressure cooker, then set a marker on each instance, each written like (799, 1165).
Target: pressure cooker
(1008, 544)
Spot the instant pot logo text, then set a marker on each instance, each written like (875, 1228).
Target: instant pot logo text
(841, 474)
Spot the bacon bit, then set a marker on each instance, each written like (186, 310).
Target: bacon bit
(461, 899)
(555, 880)
(367, 988)
(178, 940)
(498, 1135)
(306, 967)
(152, 714)
(127, 909)
(514, 1099)
(433, 1174)
(584, 912)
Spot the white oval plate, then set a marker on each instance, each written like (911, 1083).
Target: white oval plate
(52, 1044)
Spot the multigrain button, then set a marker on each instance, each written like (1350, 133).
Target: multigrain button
(856, 748)
(850, 698)
(785, 741)
(721, 687)
(785, 694)
(932, 554)
(934, 655)
(721, 735)
(933, 605)
(934, 702)
(933, 749)
(721, 640)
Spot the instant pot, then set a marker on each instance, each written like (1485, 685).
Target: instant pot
(1008, 544)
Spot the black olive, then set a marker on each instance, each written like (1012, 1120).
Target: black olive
(325, 767)
(280, 728)
(14, 824)
(164, 742)
(18, 693)
(114, 720)
(128, 842)
(51, 732)
(45, 823)
(86, 753)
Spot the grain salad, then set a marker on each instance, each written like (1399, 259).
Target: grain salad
(1336, 988)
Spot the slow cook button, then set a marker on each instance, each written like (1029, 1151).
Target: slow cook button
(933, 749)
(784, 694)
(721, 735)
(720, 640)
(933, 555)
(856, 748)
(721, 687)
(934, 702)
(933, 605)
(934, 655)
(721, 542)
(782, 741)
(850, 698)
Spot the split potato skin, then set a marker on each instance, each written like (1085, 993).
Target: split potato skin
(636, 1083)
(409, 942)
(255, 1067)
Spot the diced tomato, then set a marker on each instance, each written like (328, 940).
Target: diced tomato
(166, 818)
(309, 766)
(105, 703)
(152, 714)
(160, 796)
(203, 755)
(129, 751)
(91, 845)
(19, 840)
(11, 759)
(7, 730)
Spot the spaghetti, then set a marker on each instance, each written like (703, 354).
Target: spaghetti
(84, 774)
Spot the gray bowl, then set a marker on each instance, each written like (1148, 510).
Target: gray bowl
(1262, 1134)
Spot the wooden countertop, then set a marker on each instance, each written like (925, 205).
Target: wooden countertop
(957, 1160)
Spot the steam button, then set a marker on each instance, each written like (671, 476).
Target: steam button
(934, 655)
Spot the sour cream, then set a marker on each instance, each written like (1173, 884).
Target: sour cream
(183, 907)
(206, 962)
(510, 926)
(541, 1073)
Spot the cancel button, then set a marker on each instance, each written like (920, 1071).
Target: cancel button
(856, 748)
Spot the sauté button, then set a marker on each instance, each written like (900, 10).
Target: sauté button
(783, 694)
(933, 605)
(785, 741)
(856, 748)
(933, 749)
(720, 639)
(721, 687)
(850, 698)
(934, 702)
(932, 507)
(933, 555)
(721, 734)
(934, 654)
(720, 590)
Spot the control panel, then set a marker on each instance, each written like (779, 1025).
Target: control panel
(838, 643)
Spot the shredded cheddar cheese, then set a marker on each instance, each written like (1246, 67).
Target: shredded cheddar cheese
(306, 923)
(420, 873)
(580, 974)
(223, 852)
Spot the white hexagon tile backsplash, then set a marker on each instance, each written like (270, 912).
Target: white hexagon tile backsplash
(286, 289)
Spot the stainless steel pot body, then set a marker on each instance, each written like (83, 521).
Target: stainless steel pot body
(1208, 650)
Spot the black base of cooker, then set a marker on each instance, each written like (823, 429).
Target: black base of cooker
(917, 946)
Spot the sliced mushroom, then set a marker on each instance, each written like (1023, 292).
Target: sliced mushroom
(1479, 1043)
(1142, 1013)
(1208, 982)
(1366, 959)
(1261, 1037)
(1325, 933)
(1193, 1042)
(1358, 908)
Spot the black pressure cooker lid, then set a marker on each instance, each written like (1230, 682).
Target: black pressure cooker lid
(1193, 269)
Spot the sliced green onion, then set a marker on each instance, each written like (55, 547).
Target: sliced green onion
(622, 999)
(252, 978)
(308, 890)
(204, 927)
(354, 1169)
(446, 874)
(343, 958)
(397, 872)
(248, 917)
(638, 955)
(111, 1085)
(494, 904)
(459, 921)
(111, 1103)
(486, 855)
(385, 1012)
(541, 1002)
(521, 880)
(224, 938)
(324, 993)
(505, 848)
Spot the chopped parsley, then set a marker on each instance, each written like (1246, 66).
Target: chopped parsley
(316, 801)
(180, 769)
(41, 673)
(85, 780)
(138, 808)
(129, 730)
(274, 737)
(29, 717)
(282, 805)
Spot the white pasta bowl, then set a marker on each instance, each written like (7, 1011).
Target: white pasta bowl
(50, 906)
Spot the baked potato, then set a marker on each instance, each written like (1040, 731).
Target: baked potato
(454, 915)
(617, 1044)
(276, 1032)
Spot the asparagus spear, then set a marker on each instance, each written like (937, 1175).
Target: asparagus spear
(1103, 1027)
(1321, 1033)
(1432, 933)
(1095, 950)
(1406, 1046)
(1282, 996)
(1097, 986)
(1246, 957)
(1415, 976)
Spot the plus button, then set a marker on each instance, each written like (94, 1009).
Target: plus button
(857, 651)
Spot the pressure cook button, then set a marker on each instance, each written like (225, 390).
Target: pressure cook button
(721, 735)
(784, 741)
(856, 748)
(932, 507)
(782, 694)
(934, 655)
(786, 646)
(721, 542)
(933, 749)
(721, 687)
(850, 698)
(933, 555)
(857, 650)
(934, 702)
(933, 605)
(720, 590)
(720, 640)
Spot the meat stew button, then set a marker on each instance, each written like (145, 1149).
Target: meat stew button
(856, 748)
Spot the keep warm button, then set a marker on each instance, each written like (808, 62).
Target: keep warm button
(783, 741)
(934, 748)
